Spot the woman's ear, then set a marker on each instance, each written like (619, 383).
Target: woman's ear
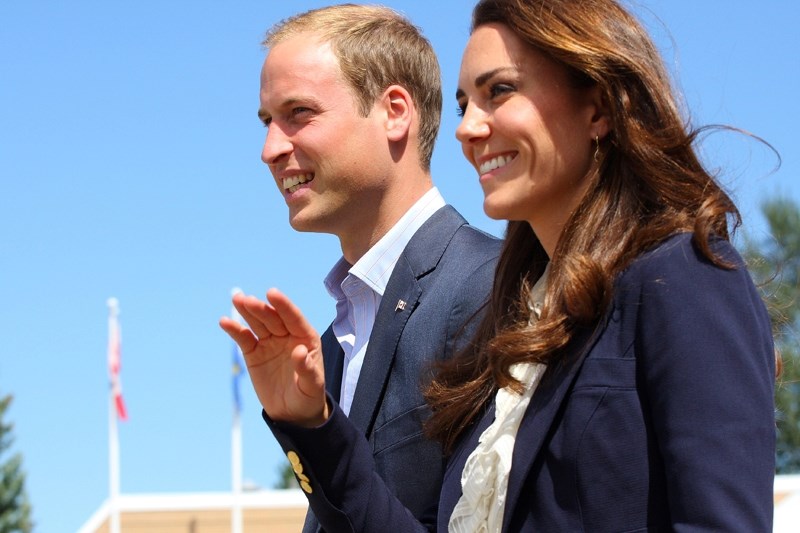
(399, 109)
(600, 121)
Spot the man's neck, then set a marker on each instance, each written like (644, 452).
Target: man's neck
(358, 242)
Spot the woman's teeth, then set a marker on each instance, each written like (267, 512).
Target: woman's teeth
(494, 163)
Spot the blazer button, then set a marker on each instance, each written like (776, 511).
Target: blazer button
(295, 461)
(293, 458)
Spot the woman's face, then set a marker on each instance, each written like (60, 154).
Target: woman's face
(527, 130)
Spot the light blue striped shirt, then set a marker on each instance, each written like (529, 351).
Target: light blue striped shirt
(358, 289)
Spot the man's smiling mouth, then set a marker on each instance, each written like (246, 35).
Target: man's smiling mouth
(293, 183)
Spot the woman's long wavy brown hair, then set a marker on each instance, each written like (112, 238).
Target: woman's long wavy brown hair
(650, 184)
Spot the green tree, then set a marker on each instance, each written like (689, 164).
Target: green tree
(15, 511)
(287, 479)
(775, 265)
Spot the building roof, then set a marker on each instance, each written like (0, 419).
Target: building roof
(263, 510)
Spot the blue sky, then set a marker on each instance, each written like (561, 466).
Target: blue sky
(129, 167)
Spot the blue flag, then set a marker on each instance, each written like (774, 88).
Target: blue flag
(238, 372)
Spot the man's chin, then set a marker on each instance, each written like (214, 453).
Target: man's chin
(305, 225)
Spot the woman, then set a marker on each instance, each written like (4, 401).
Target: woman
(623, 377)
(645, 349)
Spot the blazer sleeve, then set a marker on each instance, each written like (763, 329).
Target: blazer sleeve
(334, 465)
(707, 363)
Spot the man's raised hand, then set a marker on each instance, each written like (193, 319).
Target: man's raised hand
(284, 358)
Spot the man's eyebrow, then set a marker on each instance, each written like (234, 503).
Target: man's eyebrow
(481, 80)
(263, 115)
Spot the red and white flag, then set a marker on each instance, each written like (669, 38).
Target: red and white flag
(115, 357)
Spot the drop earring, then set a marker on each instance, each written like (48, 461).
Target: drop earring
(597, 148)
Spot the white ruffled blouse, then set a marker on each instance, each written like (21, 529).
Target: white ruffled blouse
(484, 481)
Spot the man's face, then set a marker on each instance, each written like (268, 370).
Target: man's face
(328, 161)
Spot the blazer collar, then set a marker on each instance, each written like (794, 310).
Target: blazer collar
(426, 247)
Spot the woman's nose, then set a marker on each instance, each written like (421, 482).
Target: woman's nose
(473, 126)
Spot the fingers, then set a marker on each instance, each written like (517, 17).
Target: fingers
(242, 336)
(273, 319)
(260, 316)
(291, 316)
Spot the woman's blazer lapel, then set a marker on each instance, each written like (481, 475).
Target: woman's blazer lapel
(541, 416)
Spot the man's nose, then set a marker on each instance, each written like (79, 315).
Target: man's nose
(276, 146)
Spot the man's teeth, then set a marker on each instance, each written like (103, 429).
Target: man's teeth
(293, 183)
(497, 162)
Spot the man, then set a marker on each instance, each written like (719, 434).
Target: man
(351, 96)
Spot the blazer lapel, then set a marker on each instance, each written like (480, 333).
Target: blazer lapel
(333, 359)
(403, 291)
(397, 304)
(540, 416)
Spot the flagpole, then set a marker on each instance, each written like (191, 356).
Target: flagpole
(236, 448)
(113, 467)
(113, 439)
(236, 469)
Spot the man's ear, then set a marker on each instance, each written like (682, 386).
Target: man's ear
(399, 108)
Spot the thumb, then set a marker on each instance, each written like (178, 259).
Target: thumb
(306, 366)
(310, 380)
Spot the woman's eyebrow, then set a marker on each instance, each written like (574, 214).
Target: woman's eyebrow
(481, 80)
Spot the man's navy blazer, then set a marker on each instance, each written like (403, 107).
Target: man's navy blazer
(663, 420)
(429, 310)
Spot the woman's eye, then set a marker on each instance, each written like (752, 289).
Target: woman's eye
(499, 89)
(461, 109)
